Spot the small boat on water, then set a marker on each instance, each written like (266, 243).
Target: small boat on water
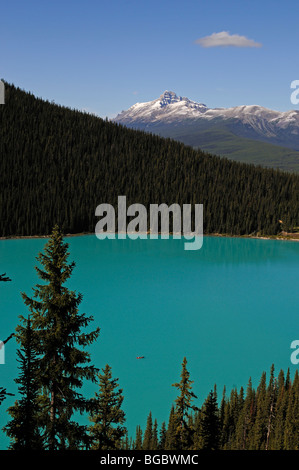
(140, 357)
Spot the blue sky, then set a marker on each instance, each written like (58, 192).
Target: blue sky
(105, 56)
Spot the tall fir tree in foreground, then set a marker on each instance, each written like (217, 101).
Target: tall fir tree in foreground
(24, 428)
(107, 430)
(183, 429)
(64, 364)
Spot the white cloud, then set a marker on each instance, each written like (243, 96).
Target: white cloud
(225, 39)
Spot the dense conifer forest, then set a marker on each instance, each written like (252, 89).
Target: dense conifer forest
(53, 362)
(57, 165)
(262, 418)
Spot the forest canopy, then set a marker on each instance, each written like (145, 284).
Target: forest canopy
(58, 164)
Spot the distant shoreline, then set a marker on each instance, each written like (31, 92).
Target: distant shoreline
(284, 237)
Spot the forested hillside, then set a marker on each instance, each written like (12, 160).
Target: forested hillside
(58, 164)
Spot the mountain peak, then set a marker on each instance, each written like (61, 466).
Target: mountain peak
(168, 97)
(171, 109)
(169, 106)
(224, 131)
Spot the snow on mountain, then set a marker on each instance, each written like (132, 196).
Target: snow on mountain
(172, 109)
(168, 107)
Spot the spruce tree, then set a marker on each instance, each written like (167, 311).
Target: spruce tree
(271, 398)
(107, 416)
(183, 408)
(171, 433)
(162, 436)
(25, 428)
(138, 439)
(259, 431)
(154, 442)
(226, 424)
(233, 411)
(222, 413)
(210, 424)
(245, 419)
(197, 441)
(64, 363)
(291, 429)
(280, 415)
(126, 443)
(148, 433)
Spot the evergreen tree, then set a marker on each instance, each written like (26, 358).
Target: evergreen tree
(280, 415)
(126, 443)
(288, 380)
(232, 411)
(24, 428)
(148, 433)
(154, 441)
(138, 439)
(171, 433)
(107, 416)
(197, 440)
(162, 436)
(271, 398)
(226, 424)
(245, 419)
(222, 411)
(210, 424)
(291, 430)
(183, 407)
(57, 325)
(259, 431)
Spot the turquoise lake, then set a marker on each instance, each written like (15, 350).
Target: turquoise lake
(230, 308)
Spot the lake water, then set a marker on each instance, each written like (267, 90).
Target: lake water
(231, 308)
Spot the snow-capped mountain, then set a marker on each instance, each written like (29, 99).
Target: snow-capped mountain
(175, 116)
(167, 108)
